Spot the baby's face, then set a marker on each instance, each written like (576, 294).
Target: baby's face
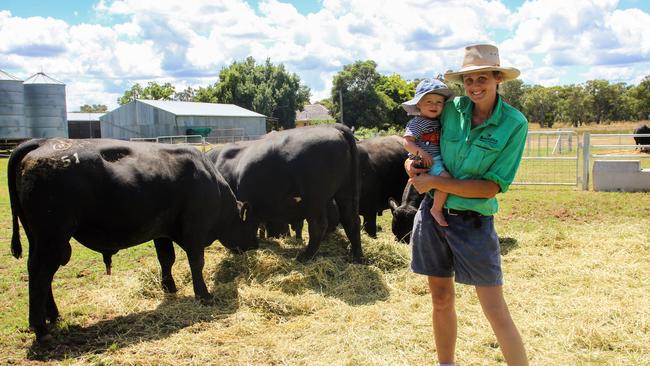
(431, 105)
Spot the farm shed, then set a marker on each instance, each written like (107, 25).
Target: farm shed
(153, 118)
(313, 114)
(83, 125)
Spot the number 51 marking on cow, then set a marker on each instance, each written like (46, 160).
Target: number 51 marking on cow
(67, 161)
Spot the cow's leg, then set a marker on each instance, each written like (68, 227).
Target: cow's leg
(297, 228)
(166, 257)
(370, 225)
(52, 311)
(349, 216)
(195, 255)
(41, 268)
(317, 224)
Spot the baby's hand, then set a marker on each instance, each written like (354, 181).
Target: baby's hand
(426, 159)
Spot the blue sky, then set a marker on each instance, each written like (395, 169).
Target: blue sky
(100, 48)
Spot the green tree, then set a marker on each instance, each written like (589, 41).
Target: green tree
(604, 97)
(638, 99)
(266, 89)
(363, 105)
(398, 91)
(186, 95)
(130, 95)
(540, 104)
(512, 91)
(153, 91)
(575, 105)
(95, 108)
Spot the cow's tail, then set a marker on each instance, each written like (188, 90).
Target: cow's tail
(12, 172)
(352, 142)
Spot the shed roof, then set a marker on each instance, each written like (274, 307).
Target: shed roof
(201, 109)
(84, 116)
(7, 76)
(314, 112)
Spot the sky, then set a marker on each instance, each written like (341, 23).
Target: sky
(100, 48)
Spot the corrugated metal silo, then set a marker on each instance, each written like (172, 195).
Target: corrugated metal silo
(12, 108)
(45, 107)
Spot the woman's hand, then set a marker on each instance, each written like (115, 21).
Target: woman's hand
(412, 170)
(423, 182)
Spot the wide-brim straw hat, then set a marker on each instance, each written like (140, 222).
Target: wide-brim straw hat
(426, 86)
(481, 57)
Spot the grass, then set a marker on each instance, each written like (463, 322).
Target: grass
(576, 271)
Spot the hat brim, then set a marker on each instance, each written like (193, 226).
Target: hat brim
(509, 73)
(410, 106)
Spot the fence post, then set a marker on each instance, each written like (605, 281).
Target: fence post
(586, 164)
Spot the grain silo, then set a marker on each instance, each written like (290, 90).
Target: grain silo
(13, 125)
(45, 109)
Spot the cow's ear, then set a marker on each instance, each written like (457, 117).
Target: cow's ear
(392, 203)
(244, 211)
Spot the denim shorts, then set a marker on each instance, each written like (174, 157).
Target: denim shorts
(468, 249)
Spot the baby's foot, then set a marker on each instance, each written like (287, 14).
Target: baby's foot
(439, 216)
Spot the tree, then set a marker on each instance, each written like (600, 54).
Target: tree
(95, 108)
(363, 105)
(540, 104)
(152, 91)
(575, 105)
(639, 98)
(512, 91)
(266, 89)
(186, 95)
(604, 97)
(398, 91)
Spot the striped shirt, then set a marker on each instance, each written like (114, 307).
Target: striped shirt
(426, 133)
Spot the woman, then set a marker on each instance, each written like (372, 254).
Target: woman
(482, 141)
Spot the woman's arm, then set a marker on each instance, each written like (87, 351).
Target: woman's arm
(469, 188)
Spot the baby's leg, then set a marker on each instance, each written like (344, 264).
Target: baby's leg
(439, 198)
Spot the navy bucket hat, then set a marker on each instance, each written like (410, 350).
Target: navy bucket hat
(426, 86)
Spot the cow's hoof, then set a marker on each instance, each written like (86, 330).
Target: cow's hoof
(44, 338)
(304, 257)
(359, 260)
(208, 301)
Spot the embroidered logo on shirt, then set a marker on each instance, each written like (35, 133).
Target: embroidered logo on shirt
(489, 139)
(431, 137)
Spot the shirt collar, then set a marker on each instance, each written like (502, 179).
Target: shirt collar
(466, 109)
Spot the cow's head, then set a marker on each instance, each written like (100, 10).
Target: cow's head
(241, 235)
(403, 216)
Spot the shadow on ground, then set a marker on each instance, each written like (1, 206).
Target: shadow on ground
(172, 315)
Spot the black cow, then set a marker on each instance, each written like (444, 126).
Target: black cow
(110, 195)
(642, 140)
(382, 175)
(404, 213)
(293, 174)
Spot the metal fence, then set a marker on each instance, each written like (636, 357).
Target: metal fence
(550, 158)
(619, 146)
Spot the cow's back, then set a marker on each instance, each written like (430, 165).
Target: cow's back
(117, 194)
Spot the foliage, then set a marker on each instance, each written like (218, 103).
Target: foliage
(153, 91)
(398, 91)
(186, 95)
(363, 133)
(95, 108)
(266, 89)
(512, 91)
(356, 86)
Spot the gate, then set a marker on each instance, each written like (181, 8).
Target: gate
(550, 158)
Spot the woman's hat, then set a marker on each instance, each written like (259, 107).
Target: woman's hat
(481, 57)
(426, 86)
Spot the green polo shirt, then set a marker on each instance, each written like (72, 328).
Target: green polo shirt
(491, 151)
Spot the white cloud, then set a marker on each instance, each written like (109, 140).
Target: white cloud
(188, 42)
